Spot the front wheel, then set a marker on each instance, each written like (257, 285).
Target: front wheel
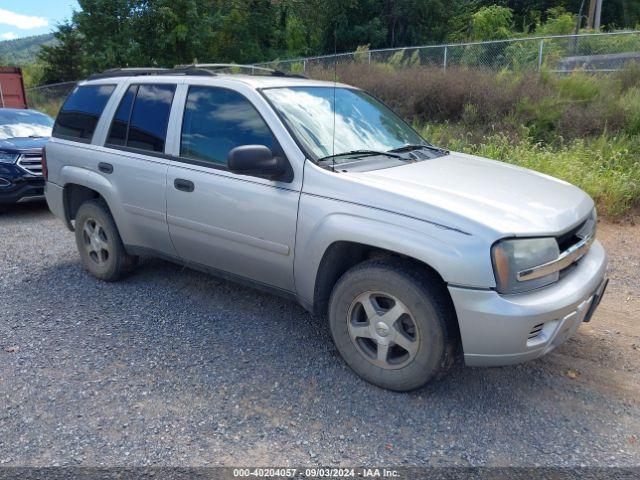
(393, 324)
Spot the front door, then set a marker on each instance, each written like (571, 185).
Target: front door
(238, 224)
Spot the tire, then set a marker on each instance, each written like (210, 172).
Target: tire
(99, 243)
(421, 342)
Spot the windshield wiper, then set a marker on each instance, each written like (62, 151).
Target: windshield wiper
(360, 153)
(411, 147)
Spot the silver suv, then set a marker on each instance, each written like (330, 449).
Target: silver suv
(317, 191)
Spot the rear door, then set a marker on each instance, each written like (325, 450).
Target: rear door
(238, 224)
(133, 160)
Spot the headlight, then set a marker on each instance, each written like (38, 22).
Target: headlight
(513, 255)
(6, 157)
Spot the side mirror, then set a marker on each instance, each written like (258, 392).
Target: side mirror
(257, 161)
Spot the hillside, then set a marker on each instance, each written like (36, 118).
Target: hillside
(23, 50)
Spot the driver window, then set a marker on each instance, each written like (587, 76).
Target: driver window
(217, 120)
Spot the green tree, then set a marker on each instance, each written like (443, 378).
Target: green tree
(110, 39)
(415, 22)
(244, 31)
(559, 22)
(65, 60)
(126, 33)
(492, 23)
(172, 32)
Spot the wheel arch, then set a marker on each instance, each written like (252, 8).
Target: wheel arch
(74, 196)
(340, 256)
(82, 185)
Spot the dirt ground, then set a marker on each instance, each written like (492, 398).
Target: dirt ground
(606, 352)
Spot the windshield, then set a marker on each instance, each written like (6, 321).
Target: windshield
(24, 123)
(361, 122)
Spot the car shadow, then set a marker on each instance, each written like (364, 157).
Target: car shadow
(18, 210)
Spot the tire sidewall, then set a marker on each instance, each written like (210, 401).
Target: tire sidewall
(432, 346)
(111, 269)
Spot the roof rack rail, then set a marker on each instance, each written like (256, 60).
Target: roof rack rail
(255, 70)
(137, 72)
(203, 69)
(128, 72)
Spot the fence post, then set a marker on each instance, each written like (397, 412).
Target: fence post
(304, 66)
(444, 64)
(540, 54)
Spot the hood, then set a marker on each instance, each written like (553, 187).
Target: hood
(21, 144)
(505, 198)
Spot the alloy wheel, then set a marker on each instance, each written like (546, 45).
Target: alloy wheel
(383, 330)
(96, 241)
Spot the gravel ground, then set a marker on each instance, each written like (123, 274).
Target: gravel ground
(173, 367)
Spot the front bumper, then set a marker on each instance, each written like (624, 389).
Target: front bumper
(16, 186)
(504, 329)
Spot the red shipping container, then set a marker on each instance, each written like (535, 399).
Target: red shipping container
(12, 94)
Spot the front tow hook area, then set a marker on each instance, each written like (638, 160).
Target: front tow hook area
(596, 300)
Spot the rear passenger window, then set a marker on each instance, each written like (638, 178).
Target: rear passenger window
(217, 120)
(120, 124)
(142, 117)
(80, 113)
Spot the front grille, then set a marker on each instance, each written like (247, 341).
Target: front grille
(31, 162)
(575, 235)
(570, 238)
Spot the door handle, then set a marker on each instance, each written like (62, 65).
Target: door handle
(105, 167)
(184, 185)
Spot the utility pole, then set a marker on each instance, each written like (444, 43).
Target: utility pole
(596, 23)
(578, 25)
(580, 16)
(592, 14)
(595, 13)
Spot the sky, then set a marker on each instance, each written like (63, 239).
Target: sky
(23, 18)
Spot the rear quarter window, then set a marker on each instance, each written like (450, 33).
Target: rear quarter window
(81, 111)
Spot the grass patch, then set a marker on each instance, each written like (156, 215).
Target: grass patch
(606, 167)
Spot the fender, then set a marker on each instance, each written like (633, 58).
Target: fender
(323, 221)
(84, 177)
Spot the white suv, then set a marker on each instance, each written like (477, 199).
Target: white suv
(317, 191)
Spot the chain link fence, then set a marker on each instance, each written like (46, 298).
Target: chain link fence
(594, 52)
(49, 98)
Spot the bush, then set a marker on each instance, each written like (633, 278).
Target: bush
(628, 77)
(579, 86)
(630, 104)
(492, 22)
(427, 94)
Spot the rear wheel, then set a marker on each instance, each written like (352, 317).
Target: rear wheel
(99, 243)
(393, 324)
